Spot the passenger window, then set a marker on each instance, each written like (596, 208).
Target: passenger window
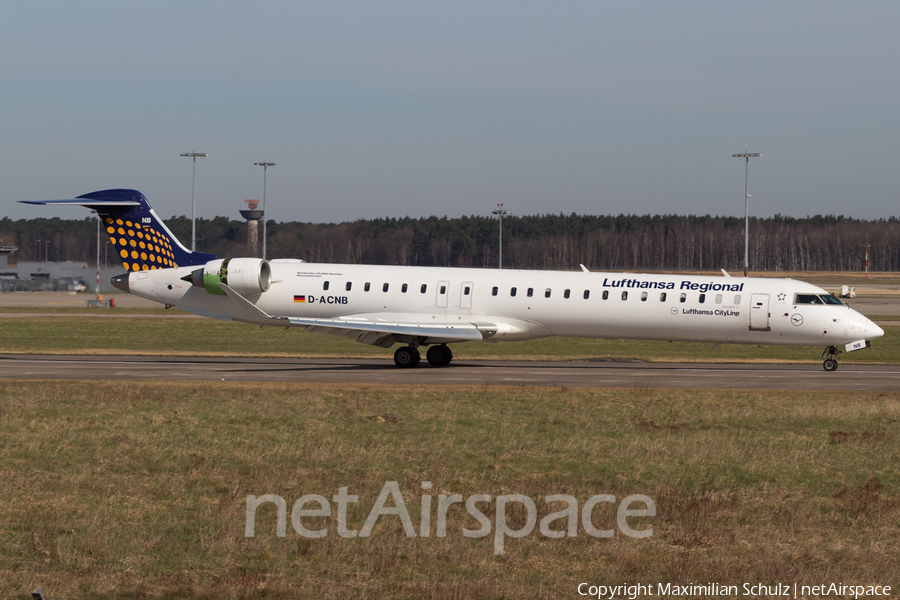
(424, 287)
(566, 294)
(547, 293)
(443, 289)
(367, 287)
(384, 288)
(530, 292)
(718, 298)
(348, 286)
(683, 298)
(325, 286)
(587, 294)
(702, 298)
(737, 299)
(662, 297)
(467, 289)
(605, 294)
(643, 296)
(512, 292)
(494, 291)
(403, 288)
(624, 295)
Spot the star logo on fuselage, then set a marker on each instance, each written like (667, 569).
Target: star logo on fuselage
(781, 297)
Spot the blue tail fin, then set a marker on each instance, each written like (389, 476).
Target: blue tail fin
(142, 240)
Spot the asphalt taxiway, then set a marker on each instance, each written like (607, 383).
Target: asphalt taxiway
(369, 371)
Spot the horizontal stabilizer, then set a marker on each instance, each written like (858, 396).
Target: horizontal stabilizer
(86, 202)
(139, 237)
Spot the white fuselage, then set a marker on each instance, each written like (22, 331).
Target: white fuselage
(533, 304)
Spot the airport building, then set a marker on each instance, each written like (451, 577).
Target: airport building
(65, 276)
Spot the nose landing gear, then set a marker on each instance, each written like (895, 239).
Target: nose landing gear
(829, 363)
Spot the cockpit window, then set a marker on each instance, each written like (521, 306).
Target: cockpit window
(815, 299)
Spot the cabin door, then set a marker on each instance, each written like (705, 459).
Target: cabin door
(759, 312)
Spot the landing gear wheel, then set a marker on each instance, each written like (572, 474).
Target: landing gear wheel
(439, 356)
(829, 364)
(406, 357)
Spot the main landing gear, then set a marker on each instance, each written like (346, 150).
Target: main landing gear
(439, 356)
(407, 357)
(829, 363)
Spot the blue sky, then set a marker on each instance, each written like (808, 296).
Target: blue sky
(417, 108)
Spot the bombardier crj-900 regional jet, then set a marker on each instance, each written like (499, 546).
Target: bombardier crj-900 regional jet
(432, 307)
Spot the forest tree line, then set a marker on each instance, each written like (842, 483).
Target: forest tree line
(624, 242)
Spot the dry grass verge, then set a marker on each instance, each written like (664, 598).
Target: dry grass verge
(137, 489)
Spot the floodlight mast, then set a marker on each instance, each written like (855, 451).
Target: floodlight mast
(265, 165)
(500, 212)
(194, 156)
(746, 156)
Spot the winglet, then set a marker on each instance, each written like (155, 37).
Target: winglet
(725, 273)
(246, 309)
(584, 268)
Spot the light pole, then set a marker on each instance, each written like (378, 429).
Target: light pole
(47, 252)
(194, 155)
(265, 165)
(746, 156)
(500, 214)
(867, 259)
(99, 297)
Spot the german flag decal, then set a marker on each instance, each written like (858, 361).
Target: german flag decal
(299, 298)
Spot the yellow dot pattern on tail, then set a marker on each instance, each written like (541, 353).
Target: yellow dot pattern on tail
(148, 249)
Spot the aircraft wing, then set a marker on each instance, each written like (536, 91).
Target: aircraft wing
(366, 331)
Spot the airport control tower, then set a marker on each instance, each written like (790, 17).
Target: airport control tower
(253, 216)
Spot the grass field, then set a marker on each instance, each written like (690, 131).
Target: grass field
(137, 490)
(206, 337)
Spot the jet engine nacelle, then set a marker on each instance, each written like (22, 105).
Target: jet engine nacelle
(243, 275)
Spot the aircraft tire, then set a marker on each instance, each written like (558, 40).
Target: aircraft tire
(406, 357)
(435, 356)
(439, 356)
(830, 365)
(448, 355)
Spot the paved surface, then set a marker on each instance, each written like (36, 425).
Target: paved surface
(571, 374)
(71, 300)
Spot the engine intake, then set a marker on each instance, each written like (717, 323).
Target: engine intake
(243, 275)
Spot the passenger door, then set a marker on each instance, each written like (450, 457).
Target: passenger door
(759, 312)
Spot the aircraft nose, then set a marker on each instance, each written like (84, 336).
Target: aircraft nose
(869, 329)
